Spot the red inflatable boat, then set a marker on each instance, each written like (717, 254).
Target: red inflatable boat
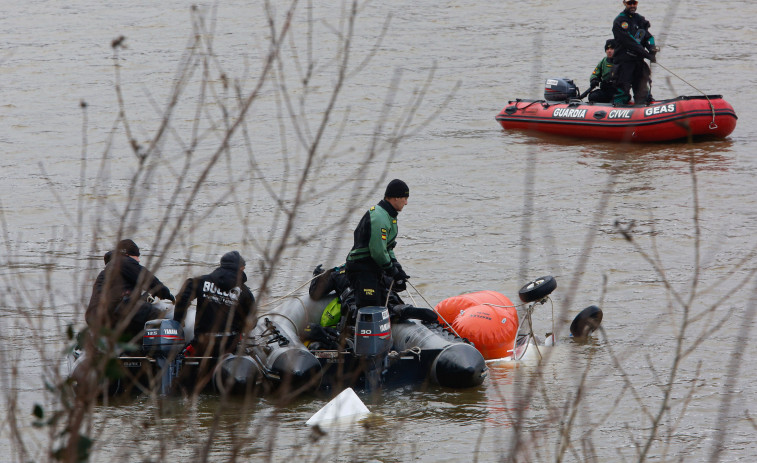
(679, 118)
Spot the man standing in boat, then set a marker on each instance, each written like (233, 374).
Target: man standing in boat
(634, 44)
(372, 254)
(224, 304)
(601, 77)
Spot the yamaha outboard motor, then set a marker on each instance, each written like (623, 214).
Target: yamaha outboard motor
(561, 89)
(164, 340)
(373, 340)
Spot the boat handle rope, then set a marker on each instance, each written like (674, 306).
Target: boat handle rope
(415, 350)
(270, 329)
(271, 314)
(713, 125)
(533, 103)
(505, 306)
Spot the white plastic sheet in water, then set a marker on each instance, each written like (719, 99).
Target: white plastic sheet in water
(347, 406)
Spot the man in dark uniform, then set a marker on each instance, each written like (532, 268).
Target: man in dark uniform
(117, 300)
(372, 253)
(634, 44)
(602, 77)
(224, 304)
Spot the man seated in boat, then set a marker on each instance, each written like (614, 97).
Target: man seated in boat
(224, 307)
(120, 292)
(601, 77)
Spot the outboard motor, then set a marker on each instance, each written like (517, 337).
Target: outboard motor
(164, 340)
(561, 89)
(373, 340)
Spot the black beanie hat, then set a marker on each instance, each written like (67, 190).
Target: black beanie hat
(611, 43)
(232, 260)
(397, 189)
(127, 248)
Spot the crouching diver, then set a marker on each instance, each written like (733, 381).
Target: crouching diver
(224, 304)
(120, 293)
(339, 315)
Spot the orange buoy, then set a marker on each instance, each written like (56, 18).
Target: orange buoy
(451, 307)
(491, 329)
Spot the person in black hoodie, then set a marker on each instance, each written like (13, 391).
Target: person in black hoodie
(224, 304)
(119, 294)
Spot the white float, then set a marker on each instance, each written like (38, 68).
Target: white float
(346, 407)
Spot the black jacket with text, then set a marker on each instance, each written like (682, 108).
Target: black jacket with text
(223, 302)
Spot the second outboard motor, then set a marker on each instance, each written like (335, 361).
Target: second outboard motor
(373, 331)
(373, 340)
(560, 89)
(164, 340)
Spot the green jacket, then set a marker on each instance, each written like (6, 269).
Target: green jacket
(375, 236)
(603, 70)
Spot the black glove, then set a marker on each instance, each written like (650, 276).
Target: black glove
(594, 83)
(398, 273)
(399, 286)
(651, 56)
(318, 270)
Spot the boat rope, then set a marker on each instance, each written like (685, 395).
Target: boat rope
(389, 293)
(533, 103)
(394, 355)
(275, 314)
(529, 310)
(531, 334)
(554, 341)
(412, 298)
(278, 299)
(415, 350)
(514, 306)
(449, 325)
(713, 125)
